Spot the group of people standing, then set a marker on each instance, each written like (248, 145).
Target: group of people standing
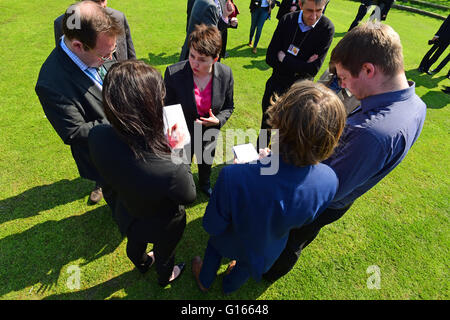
(110, 111)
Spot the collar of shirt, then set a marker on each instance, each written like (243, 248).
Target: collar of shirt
(383, 99)
(90, 72)
(303, 26)
(73, 56)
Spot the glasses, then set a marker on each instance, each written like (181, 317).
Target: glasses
(103, 58)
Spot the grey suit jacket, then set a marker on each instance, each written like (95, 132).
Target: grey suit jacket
(125, 48)
(203, 11)
(73, 105)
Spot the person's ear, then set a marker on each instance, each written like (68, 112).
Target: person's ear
(368, 70)
(77, 46)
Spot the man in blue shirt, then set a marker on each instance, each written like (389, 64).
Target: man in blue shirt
(378, 134)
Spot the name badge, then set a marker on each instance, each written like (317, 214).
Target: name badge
(293, 50)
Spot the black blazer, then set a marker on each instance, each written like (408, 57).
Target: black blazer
(154, 189)
(316, 41)
(72, 104)
(285, 7)
(444, 32)
(180, 89)
(125, 47)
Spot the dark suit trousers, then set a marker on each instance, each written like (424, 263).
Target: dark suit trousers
(273, 86)
(204, 152)
(432, 55)
(362, 11)
(298, 239)
(163, 247)
(443, 64)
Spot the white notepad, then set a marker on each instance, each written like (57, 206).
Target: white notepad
(245, 153)
(174, 115)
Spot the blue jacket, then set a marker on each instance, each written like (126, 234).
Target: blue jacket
(249, 215)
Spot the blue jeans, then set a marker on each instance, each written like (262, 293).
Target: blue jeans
(259, 17)
(211, 263)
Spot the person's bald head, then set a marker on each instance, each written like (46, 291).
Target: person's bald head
(85, 20)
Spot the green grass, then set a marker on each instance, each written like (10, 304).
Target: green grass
(401, 225)
(426, 7)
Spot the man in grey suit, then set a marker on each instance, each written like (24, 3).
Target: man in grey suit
(125, 48)
(209, 12)
(70, 81)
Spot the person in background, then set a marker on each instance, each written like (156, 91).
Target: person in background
(211, 13)
(377, 135)
(143, 184)
(250, 214)
(383, 6)
(440, 42)
(70, 82)
(296, 52)
(232, 17)
(260, 11)
(287, 6)
(204, 88)
(125, 47)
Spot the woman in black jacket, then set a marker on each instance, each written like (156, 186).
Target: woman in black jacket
(204, 88)
(144, 184)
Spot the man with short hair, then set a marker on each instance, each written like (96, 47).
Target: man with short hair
(70, 81)
(378, 134)
(125, 47)
(296, 52)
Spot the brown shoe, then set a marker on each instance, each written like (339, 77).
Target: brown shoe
(254, 50)
(96, 195)
(230, 267)
(250, 44)
(196, 265)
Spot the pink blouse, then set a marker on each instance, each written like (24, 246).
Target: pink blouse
(203, 99)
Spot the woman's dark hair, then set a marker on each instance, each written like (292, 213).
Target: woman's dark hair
(310, 119)
(206, 40)
(133, 99)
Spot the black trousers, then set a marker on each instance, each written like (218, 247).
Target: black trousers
(432, 55)
(273, 86)
(362, 11)
(204, 152)
(443, 64)
(163, 245)
(298, 239)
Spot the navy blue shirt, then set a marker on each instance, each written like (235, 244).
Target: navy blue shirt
(377, 137)
(249, 214)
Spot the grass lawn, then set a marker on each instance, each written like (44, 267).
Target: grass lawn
(48, 233)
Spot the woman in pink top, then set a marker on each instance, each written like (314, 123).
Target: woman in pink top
(204, 88)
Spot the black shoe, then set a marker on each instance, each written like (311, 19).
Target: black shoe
(143, 267)
(181, 266)
(446, 90)
(206, 190)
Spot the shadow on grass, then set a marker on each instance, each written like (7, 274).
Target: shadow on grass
(434, 99)
(137, 286)
(39, 254)
(45, 197)
(161, 59)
